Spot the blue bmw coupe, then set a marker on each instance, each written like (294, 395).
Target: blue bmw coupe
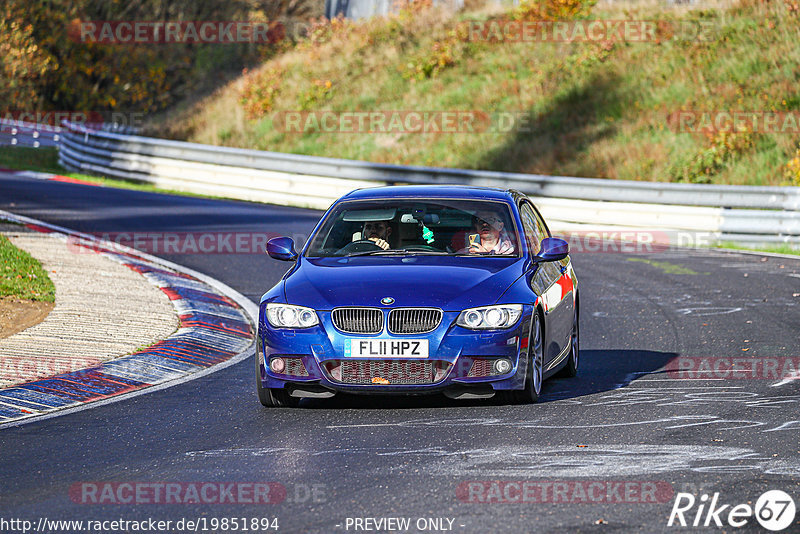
(420, 289)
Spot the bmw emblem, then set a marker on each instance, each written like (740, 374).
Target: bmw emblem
(387, 300)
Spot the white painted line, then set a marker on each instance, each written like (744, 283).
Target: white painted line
(787, 380)
(690, 387)
(687, 387)
(4, 402)
(788, 425)
(34, 175)
(672, 379)
(707, 311)
(366, 426)
(250, 308)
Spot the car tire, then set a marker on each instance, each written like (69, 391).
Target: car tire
(273, 397)
(573, 360)
(534, 373)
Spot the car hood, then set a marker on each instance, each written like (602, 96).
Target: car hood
(450, 283)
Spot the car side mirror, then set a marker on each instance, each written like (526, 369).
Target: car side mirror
(281, 248)
(552, 249)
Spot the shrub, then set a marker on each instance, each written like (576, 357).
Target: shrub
(434, 59)
(549, 10)
(260, 90)
(723, 147)
(791, 170)
(320, 90)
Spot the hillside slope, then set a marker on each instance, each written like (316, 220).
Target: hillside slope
(598, 108)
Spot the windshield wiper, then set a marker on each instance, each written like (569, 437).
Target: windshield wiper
(389, 252)
(396, 252)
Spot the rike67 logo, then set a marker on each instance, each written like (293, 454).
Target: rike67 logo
(774, 510)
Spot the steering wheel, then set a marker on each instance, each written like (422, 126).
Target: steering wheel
(362, 245)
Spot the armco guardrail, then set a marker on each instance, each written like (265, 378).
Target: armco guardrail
(744, 214)
(29, 134)
(19, 133)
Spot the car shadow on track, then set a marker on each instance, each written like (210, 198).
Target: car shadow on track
(600, 371)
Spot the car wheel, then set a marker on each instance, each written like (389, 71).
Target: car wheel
(273, 397)
(534, 374)
(571, 368)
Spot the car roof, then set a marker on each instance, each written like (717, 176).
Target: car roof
(431, 191)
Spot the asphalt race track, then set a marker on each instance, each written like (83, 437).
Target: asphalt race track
(620, 421)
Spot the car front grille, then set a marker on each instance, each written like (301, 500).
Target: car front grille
(480, 368)
(384, 372)
(414, 320)
(358, 320)
(295, 367)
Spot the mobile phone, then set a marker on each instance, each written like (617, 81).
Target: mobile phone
(474, 239)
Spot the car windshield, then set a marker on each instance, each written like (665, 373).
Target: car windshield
(413, 226)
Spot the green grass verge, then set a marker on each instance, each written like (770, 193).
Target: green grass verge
(667, 267)
(782, 249)
(22, 276)
(30, 159)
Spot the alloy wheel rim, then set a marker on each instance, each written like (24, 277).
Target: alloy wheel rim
(575, 334)
(537, 356)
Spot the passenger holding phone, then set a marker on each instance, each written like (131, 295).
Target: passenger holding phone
(490, 237)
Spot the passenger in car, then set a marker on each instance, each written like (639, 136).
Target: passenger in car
(490, 236)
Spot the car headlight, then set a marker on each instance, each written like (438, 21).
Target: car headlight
(289, 316)
(490, 317)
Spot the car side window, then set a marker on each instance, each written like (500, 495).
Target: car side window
(540, 224)
(534, 233)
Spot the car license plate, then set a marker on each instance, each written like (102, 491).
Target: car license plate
(386, 348)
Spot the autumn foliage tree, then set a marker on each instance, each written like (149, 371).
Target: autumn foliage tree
(45, 67)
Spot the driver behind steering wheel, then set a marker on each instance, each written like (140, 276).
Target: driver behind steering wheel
(378, 232)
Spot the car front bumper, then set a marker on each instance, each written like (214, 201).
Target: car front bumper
(458, 358)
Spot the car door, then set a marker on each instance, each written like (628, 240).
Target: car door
(552, 282)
